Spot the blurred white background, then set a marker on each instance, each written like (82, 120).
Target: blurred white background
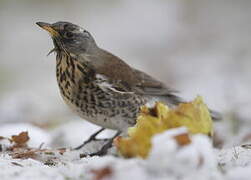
(199, 47)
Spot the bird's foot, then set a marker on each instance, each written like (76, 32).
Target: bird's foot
(91, 138)
(104, 149)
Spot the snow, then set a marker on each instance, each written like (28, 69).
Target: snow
(82, 130)
(193, 161)
(167, 160)
(235, 157)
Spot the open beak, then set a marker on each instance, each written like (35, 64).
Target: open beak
(48, 27)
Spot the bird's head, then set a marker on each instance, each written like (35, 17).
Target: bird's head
(69, 37)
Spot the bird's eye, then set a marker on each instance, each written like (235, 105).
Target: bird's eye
(66, 26)
(86, 32)
(69, 34)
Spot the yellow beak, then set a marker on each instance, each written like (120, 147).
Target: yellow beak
(48, 28)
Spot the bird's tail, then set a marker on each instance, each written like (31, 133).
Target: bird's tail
(216, 116)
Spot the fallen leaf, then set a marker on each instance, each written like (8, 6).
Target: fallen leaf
(21, 139)
(23, 153)
(19, 149)
(194, 115)
(102, 173)
(151, 121)
(183, 139)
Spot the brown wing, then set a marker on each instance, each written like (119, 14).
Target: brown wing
(113, 68)
(117, 71)
(150, 86)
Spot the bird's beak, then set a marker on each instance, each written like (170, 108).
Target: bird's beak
(48, 27)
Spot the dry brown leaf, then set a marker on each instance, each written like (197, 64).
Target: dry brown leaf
(102, 173)
(21, 139)
(19, 149)
(21, 153)
(183, 139)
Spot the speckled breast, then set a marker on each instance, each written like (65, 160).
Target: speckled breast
(84, 94)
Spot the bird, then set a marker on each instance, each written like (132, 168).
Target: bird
(99, 86)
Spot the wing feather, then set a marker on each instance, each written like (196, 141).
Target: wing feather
(124, 77)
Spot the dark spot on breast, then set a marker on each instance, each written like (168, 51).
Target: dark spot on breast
(62, 77)
(80, 68)
(67, 84)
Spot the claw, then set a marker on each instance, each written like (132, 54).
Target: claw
(51, 51)
(104, 149)
(91, 138)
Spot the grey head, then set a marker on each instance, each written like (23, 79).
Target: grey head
(69, 37)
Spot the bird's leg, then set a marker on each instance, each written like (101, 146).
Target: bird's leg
(104, 149)
(91, 138)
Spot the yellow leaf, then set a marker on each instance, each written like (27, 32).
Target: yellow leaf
(193, 115)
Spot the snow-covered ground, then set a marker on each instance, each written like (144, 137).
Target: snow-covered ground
(167, 160)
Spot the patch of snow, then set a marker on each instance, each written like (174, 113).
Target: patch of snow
(167, 160)
(192, 161)
(73, 133)
(234, 157)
